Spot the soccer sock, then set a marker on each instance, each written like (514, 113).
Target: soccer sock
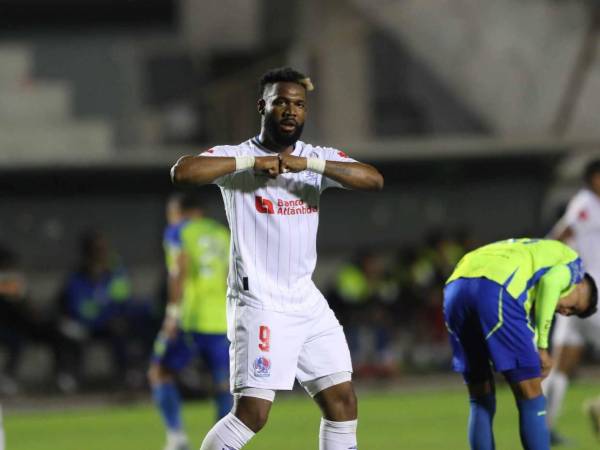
(481, 418)
(532, 423)
(166, 398)
(555, 387)
(224, 402)
(337, 435)
(229, 433)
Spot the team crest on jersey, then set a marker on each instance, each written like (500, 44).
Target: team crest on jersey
(262, 367)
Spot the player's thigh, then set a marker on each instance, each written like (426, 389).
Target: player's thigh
(470, 354)
(508, 334)
(325, 350)
(173, 354)
(264, 348)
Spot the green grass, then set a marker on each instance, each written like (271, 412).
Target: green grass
(423, 419)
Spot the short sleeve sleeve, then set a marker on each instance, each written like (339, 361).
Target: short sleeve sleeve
(221, 152)
(332, 154)
(578, 211)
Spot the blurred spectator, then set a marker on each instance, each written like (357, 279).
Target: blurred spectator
(12, 318)
(21, 324)
(97, 305)
(363, 296)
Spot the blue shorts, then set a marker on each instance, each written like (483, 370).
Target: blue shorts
(176, 353)
(489, 329)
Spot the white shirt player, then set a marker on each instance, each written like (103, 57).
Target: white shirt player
(583, 217)
(274, 228)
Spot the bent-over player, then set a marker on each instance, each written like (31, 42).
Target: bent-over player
(497, 301)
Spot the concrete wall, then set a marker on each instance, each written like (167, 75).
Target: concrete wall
(508, 60)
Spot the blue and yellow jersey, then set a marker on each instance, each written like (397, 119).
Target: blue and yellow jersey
(205, 244)
(533, 271)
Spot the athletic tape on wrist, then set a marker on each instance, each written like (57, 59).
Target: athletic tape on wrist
(315, 165)
(172, 311)
(244, 162)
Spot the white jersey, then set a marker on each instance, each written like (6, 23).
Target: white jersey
(274, 228)
(583, 217)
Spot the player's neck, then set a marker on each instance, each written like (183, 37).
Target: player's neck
(269, 144)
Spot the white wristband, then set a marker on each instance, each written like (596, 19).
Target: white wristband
(172, 311)
(244, 162)
(315, 165)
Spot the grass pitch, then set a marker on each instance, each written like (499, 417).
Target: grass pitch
(425, 419)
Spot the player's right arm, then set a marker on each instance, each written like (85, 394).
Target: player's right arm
(575, 217)
(200, 170)
(562, 231)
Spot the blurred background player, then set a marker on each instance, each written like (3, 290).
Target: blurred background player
(281, 326)
(487, 303)
(579, 228)
(97, 305)
(196, 251)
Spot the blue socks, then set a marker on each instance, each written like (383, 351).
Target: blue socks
(166, 397)
(481, 436)
(224, 402)
(532, 424)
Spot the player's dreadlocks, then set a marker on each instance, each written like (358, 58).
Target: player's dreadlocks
(284, 74)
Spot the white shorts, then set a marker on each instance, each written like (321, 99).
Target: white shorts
(573, 331)
(269, 349)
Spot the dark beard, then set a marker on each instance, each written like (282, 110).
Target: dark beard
(279, 138)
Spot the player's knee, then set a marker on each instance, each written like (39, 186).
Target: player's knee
(253, 412)
(527, 389)
(253, 416)
(349, 405)
(342, 406)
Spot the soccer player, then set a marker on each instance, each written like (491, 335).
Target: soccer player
(279, 324)
(196, 250)
(498, 299)
(580, 228)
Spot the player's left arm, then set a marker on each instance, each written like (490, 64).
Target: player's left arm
(550, 288)
(176, 280)
(351, 175)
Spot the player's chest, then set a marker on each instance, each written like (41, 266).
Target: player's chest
(286, 196)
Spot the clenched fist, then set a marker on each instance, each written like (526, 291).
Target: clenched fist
(290, 163)
(267, 165)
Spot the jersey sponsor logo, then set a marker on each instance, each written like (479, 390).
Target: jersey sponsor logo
(262, 367)
(284, 207)
(583, 215)
(263, 205)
